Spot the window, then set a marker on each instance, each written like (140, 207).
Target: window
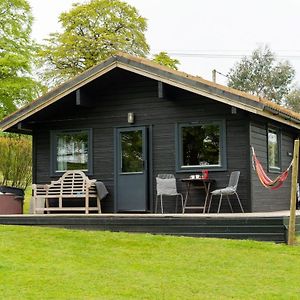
(132, 151)
(274, 149)
(71, 150)
(201, 145)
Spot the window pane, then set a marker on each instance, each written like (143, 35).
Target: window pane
(273, 149)
(132, 151)
(201, 145)
(72, 151)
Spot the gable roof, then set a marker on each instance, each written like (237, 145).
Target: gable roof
(150, 69)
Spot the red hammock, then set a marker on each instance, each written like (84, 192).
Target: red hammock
(264, 179)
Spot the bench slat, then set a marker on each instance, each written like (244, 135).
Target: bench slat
(66, 208)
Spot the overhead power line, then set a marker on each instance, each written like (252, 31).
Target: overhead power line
(228, 55)
(214, 75)
(224, 75)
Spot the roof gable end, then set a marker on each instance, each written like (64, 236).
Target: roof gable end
(157, 72)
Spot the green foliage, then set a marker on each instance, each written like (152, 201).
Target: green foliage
(261, 75)
(91, 33)
(293, 100)
(201, 145)
(16, 56)
(44, 263)
(27, 199)
(15, 163)
(164, 59)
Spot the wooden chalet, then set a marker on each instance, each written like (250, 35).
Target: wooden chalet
(128, 119)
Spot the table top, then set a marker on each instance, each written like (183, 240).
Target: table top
(197, 180)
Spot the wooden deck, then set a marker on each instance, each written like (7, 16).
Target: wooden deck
(253, 226)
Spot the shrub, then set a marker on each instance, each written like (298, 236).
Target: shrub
(15, 160)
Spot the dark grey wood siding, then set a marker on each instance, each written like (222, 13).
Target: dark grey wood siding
(264, 199)
(120, 92)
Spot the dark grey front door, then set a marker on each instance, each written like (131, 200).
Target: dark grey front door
(131, 169)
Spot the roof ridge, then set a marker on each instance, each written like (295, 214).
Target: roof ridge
(120, 58)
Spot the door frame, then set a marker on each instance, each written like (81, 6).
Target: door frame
(149, 129)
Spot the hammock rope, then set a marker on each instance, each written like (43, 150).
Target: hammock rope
(263, 177)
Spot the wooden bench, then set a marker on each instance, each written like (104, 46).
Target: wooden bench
(72, 185)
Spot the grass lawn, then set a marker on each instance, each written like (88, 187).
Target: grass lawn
(43, 263)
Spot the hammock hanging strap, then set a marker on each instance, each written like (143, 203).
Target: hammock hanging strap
(263, 177)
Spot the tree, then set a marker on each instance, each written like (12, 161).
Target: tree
(261, 75)
(293, 100)
(92, 32)
(16, 56)
(164, 59)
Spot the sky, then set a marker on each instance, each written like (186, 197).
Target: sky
(203, 35)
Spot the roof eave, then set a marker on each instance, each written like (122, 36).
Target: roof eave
(151, 70)
(281, 114)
